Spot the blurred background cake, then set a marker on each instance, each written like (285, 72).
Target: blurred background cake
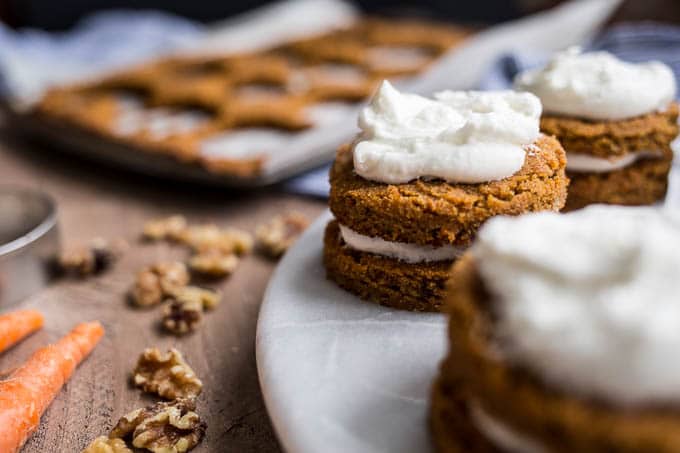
(616, 120)
(562, 328)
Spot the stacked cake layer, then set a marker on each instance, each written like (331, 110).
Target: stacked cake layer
(409, 195)
(564, 342)
(616, 120)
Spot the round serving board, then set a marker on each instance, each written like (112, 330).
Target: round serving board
(339, 374)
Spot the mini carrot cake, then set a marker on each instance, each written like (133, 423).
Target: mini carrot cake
(564, 334)
(616, 121)
(409, 194)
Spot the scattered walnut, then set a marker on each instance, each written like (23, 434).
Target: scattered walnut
(93, 258)
(275, 237)
(167, 375)
(147, 289)
(167, 228)
(171, 427)
(208, 298)
(213, 263)
(181, 316)
(210, 237)
(103, 444)
(173, 276)
(155, 282)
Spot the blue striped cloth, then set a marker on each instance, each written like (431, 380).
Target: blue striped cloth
(634, 42)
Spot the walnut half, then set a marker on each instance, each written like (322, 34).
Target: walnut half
(103, 444)
(181, 317)
(93, 258)
(171, 427)
(213, 263)
(208, 298)
(167, 375)
(211, 237)
(281, 232)
(158, 281)
(163, 229)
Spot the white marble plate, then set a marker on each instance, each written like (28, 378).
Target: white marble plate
(339, 374)
(342, 375)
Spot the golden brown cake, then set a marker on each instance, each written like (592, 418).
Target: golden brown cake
(615, 120)
(393, 243)
(644, 181)
(437, 212)
(515, 378)
(384, 280)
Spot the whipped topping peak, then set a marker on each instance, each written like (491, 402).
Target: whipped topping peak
(589, 299)
(464, 136)
(597, 85)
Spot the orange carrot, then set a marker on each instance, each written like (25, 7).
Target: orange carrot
(30, 389)
(18, 324)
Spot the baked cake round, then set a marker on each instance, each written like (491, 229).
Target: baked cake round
(616, 121)
(387, 281)
(564, 348)
(436, 212)
(394, 242)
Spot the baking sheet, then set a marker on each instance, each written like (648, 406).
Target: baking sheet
(289, 154)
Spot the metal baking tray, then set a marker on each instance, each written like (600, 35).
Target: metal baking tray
(570, 24)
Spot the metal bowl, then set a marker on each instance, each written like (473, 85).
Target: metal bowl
(29, 241)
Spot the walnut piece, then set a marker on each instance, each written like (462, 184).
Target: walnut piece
(281, 232)
(182, 316)
(163, 229)
(103, 444)
(155, 282)
(210, 237)
(171, 427)
(213, 263)
(167, 375)
(173, 276)
(208, 298)
(95, 257)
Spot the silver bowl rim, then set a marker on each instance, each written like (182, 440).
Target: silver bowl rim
(38, 231)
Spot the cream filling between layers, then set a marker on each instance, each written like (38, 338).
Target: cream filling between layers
(584, 163)
(409, 253)
(501, 435)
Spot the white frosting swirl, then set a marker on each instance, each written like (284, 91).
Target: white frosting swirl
(597, 85)
(589, 300)
(464, 137)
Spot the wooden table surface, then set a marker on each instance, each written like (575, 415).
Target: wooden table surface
(97, 201)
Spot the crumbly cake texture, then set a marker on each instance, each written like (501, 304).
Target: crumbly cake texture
(450, 422)
(273, 88)
(642, 183)
(520, 399)
(438, 213)
(649, 132)
(383, 280)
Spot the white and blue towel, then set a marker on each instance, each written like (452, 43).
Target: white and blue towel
(31, 60)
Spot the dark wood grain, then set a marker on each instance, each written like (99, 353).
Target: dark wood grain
(96, 201)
